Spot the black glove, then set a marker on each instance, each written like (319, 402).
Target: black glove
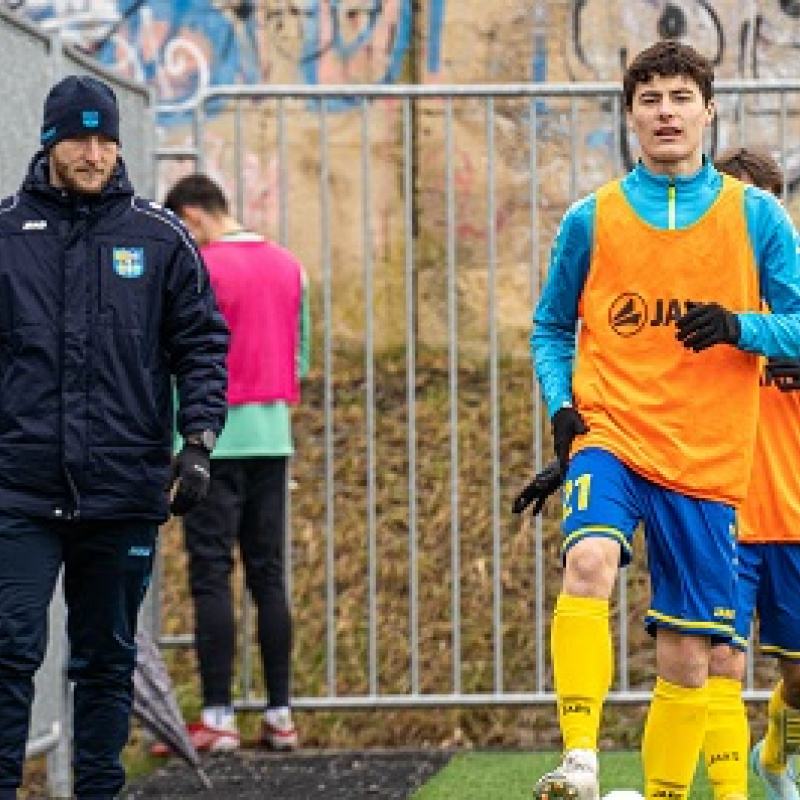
(784, 373)
(567, 424)
(707, 324)
(539, 489)
(191, 468)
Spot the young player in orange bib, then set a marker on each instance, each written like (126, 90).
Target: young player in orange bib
(654, 408)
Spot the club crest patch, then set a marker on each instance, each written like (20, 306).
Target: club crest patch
(128, 261)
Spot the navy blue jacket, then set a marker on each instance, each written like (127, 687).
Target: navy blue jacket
(102, 300)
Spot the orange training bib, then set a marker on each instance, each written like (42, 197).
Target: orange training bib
(681, 419)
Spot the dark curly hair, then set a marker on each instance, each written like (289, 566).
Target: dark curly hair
(667, 58)
(754, 164)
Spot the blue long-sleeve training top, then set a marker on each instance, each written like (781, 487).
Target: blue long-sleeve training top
(776, 249)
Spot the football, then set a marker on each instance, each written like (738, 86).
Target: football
(623, 794)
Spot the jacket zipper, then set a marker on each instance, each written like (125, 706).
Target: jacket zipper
(671, 204)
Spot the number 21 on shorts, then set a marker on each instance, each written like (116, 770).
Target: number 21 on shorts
(576, 492)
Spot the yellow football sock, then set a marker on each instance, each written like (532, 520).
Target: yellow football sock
(773, 754)
(673, 736)
(583, 664)
(727, 739)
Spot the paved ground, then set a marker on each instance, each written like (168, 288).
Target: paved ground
(253, 775)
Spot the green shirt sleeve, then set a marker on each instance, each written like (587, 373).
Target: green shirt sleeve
(304, 351)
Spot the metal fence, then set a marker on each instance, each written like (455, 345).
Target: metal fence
(30, 62)
(543, 146)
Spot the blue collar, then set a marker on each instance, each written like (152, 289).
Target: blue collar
(647, 182)
(647, 175)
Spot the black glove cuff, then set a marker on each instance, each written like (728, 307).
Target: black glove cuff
(733, 328)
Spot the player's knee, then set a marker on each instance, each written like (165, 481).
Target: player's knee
(726, 662)
(790, 672)
(591, 568)
(682, 659)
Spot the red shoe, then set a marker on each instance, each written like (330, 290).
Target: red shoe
(213, 740)
(280, 735)
(204, 738)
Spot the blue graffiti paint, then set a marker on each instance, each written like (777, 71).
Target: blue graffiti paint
(233, 41)
(435, 31)
(234, 55)
(346, 49)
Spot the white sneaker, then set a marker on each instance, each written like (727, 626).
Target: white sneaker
(777, 785)
(574, 779)
(278, 731)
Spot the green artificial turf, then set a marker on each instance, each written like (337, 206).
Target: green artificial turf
(510, 776)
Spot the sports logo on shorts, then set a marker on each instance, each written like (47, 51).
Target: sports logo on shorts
(128, 261)
(628, 314)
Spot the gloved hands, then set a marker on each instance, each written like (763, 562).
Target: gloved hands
(539, 489)
(707, 324)
(784, 373)
(191, 468)
(567, 423)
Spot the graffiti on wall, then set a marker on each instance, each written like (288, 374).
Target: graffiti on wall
(342, 41)
(741, 39)
(748, 39)
(184, 46)
(178, 46)
(603, 36)
(346, 41)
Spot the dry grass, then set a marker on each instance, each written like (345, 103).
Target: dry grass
(483, 726)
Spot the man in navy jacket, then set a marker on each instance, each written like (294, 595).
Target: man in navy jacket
(103, 300)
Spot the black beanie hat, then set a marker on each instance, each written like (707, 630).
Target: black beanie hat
(78, 105)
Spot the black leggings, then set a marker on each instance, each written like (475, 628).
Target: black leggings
(246, 503)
